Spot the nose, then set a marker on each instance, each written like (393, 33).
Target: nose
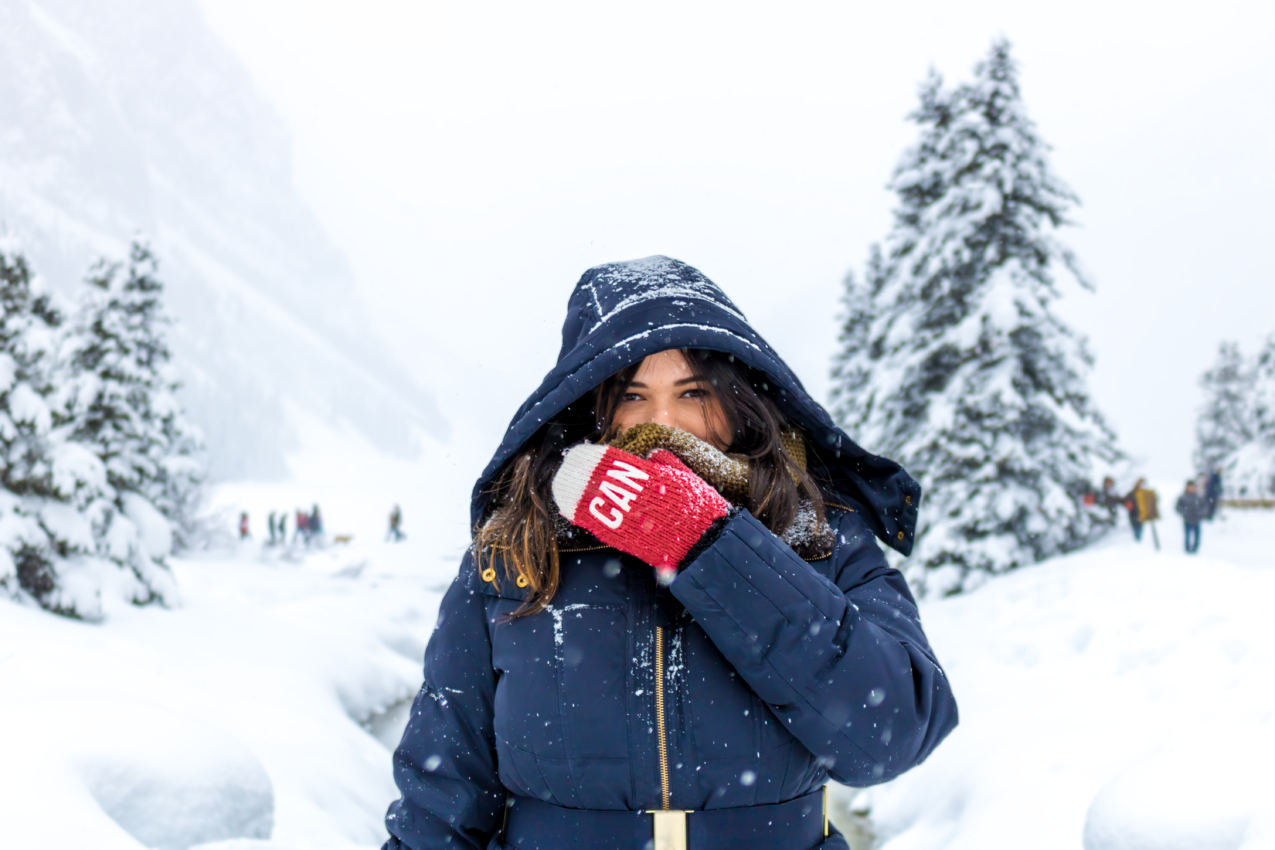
(664, 416)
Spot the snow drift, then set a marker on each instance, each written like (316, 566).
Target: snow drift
(232, 721)
(1115, 699)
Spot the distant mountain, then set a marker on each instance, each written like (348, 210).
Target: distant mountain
(120, 117)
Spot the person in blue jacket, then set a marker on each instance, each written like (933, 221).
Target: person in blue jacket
(1193, 507)
(1213, 493)
(637, 688)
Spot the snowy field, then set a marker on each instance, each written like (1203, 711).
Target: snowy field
(1116, 699)
(236, 716)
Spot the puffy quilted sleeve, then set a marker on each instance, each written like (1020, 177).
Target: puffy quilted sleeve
(445, 765)
(843, 662)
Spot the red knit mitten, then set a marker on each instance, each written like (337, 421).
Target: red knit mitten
(655, 509)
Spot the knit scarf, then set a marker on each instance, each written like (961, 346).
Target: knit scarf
(728, 474)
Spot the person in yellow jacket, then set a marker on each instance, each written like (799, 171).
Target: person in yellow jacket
(1133, 503)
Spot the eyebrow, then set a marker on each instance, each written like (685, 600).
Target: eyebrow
(642, 386)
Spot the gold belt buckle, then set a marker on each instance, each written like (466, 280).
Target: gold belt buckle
(670, 828)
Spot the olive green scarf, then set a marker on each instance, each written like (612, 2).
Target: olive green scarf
(729, 476)
(727, 473)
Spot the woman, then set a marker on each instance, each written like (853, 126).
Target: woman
(626, 643)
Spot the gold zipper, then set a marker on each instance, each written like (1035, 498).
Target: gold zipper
(659, 712)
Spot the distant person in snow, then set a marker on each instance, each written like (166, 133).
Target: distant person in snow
(270, 524)
(1133, 505)
(283, 528)
(1109, 498)
(1102, 504)
(1193, 507)
(1213, 493)
(396, 525)
(315, 527)
(243, 526)
(302, 527)
(667, 498)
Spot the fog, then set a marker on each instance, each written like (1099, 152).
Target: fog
(473, 160)
(127, 118)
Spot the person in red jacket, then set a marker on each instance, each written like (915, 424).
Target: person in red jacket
(302, 527)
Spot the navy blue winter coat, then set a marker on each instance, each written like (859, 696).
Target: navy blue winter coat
(1192, 507)
(777, 672)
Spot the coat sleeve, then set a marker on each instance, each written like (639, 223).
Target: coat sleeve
(445, 765)
(844, 666)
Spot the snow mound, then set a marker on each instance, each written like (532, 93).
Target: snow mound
(173, 783)
(230, 723)
(114, 773)
(1116, 699)
(253, 844)
(1144, 809)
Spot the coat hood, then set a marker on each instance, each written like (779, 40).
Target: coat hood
(621, 312)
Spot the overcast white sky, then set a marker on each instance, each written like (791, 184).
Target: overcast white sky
(473, 159)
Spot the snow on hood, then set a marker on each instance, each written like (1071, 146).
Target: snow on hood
(621, 312)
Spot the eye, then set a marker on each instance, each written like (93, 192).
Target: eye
(631, 397)
(698, 392)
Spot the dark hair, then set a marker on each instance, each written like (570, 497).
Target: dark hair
(522, 527)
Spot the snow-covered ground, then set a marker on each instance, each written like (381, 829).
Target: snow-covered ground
(235, 716)
(1118, 698)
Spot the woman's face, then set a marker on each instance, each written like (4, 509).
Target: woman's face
(666, 392)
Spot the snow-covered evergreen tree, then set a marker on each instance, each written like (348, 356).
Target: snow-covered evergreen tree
(1249, 469)
(852, 364)
(121, 400)
(51, 486)
(959, 367)
(1227, 419)
(94, 451)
